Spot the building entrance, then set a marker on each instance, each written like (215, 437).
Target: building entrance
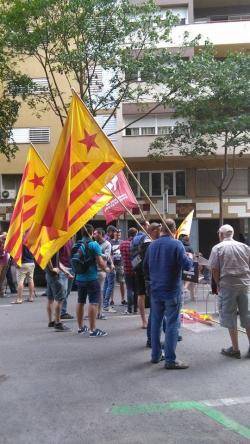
(208, 236)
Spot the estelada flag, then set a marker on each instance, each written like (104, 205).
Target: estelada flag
(84, 162)
(185, 226)
(50, 239)
(121, 188)
(29, 193)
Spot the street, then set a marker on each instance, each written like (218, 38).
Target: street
(64, 388)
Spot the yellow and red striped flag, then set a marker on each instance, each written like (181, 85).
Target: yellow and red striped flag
(84, 162)
(30, 190)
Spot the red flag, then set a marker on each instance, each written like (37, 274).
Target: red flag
(120, 187)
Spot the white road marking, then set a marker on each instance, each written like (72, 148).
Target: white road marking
(226, 401)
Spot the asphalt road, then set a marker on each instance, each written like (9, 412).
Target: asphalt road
(64, 388)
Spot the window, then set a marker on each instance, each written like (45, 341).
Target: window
(144, 181)
(11, 181)
(40, 85)
(207, 182)
(148, 131)
(156, 182)
(39, 135)
(27, 135)
(133, 184)
(150, 125)
(132, 131)
(163, 130)
(168, 183)
(180, 183)
(111, 126)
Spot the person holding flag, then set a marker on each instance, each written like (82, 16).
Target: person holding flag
(84, 162)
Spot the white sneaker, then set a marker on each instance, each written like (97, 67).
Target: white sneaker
(111, 310)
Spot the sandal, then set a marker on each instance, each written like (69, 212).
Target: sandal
(16, 302)
(30, 300)
(231, 353)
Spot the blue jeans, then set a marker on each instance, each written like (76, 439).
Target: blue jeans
(170, 308)
(108, 288)
(131, 292)
(67, 285)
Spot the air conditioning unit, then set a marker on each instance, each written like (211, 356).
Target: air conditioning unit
(8, 194)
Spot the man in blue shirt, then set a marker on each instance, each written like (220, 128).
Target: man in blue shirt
(165, 259)
(88, 285)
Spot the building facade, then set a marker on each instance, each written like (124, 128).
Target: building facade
(175, 185)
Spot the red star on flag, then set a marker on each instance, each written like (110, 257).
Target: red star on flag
(37, 181)
(89, 140)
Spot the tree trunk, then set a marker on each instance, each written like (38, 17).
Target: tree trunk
(221, 206)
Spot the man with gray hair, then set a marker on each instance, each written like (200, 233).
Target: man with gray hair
(229, 262)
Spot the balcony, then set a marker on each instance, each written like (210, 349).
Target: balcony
(218, 33)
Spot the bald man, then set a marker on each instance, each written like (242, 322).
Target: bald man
(229, 262)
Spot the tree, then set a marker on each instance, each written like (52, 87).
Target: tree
(212, 110)
(11, 81)
(72, 39)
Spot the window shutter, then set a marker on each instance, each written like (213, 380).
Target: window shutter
(110, 127)
(39, 135)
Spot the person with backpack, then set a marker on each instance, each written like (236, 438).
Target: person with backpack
(125, 248)
(139, 247)
(106, 255)
(86, 256)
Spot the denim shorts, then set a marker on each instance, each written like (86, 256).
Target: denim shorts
(91, 289)
(55, 290)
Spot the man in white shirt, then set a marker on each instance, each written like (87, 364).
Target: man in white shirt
(229, 262)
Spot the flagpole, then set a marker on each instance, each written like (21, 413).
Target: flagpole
(129, 170)
(129, 212)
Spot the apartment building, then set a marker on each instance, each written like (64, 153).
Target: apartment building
(175, 185)
(190, 184)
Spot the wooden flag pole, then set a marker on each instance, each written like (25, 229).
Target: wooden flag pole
(150, 201)
(129, 212)
(129, 170)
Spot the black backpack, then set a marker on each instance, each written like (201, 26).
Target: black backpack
(81, 260)
(137, 253)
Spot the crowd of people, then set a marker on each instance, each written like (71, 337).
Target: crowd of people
(147, 267)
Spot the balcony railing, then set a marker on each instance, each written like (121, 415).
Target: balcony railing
(223, 18)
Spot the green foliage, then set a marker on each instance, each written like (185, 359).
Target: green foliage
(71, 39)
(13, 89)
(212, 108)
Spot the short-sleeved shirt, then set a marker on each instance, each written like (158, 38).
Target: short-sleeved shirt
(94, 250)
(65, 253)
(106, 252)
(232, 259)
(27, 256)
(116, 252)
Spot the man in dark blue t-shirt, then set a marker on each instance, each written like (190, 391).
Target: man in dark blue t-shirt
(165, 259)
